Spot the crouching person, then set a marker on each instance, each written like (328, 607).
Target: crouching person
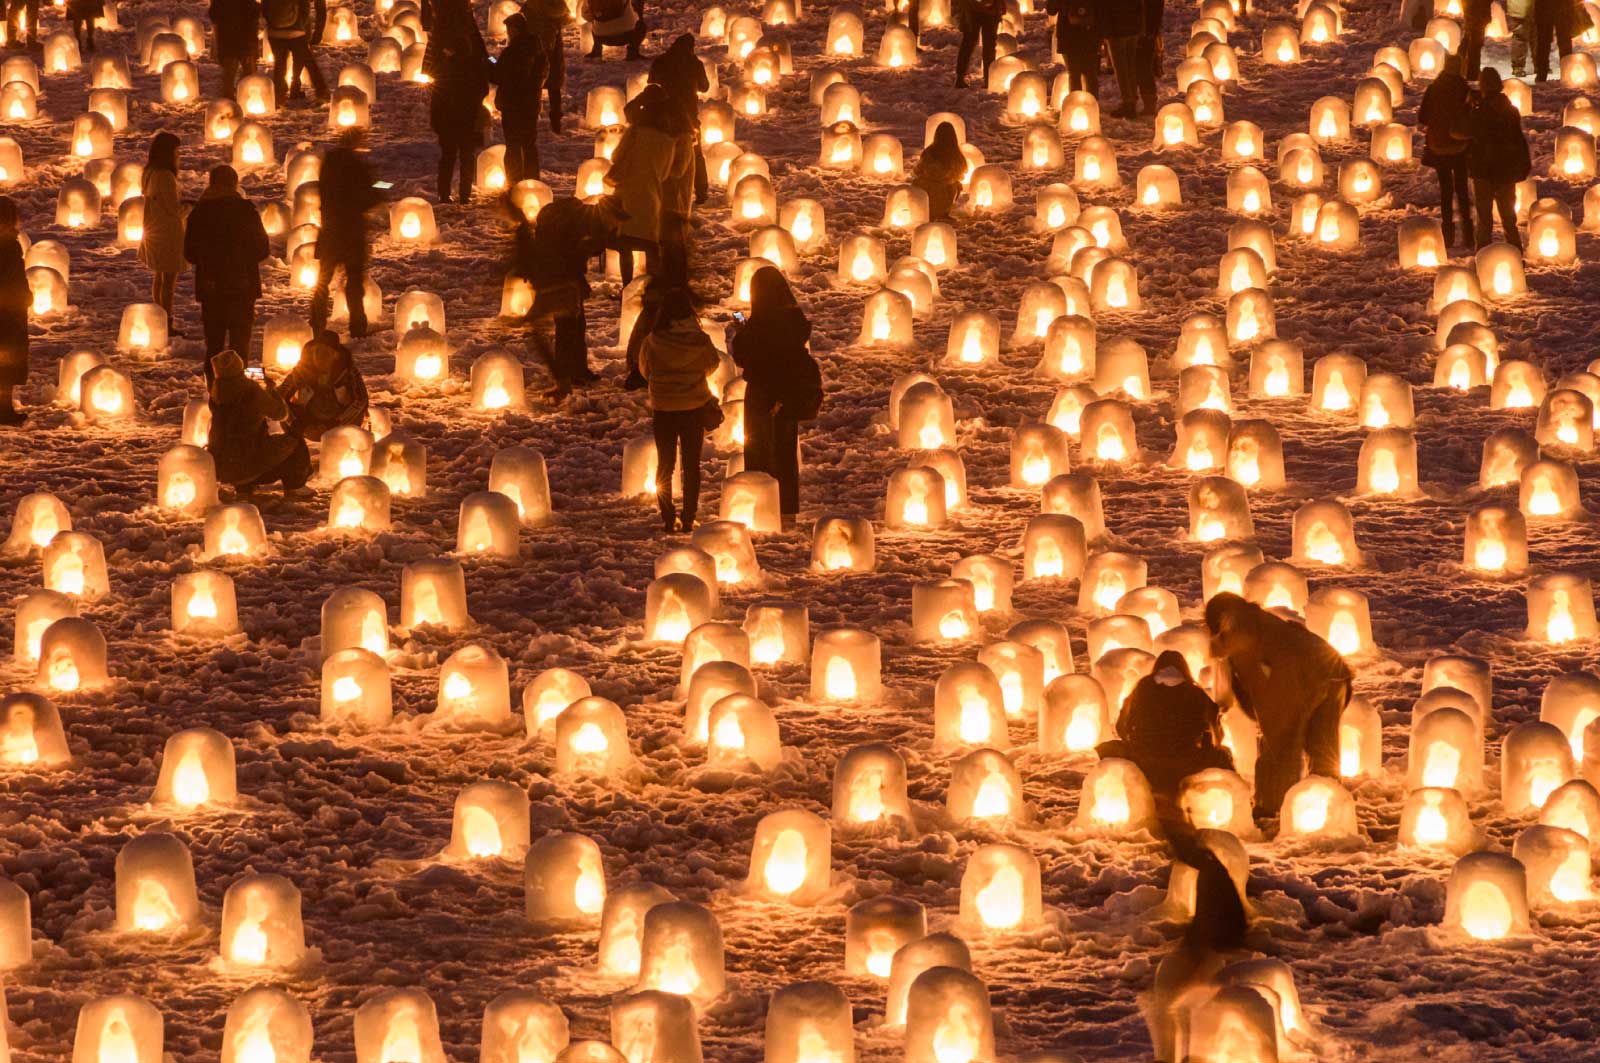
(247, 450)
(324, 390)
(1171, 729)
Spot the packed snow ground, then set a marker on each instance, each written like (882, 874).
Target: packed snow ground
(357, 821)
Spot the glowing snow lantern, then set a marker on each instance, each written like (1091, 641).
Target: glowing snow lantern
(155, 891)
(1041, 148)
(1360, 181)
(1571, 702)
(1422, 246)
(529, 197)
(869, 788)
(355, 689)
(203, 603)
(1115, 799)
(1219, 509)
(1324, 534)
(353, 618)
(622, 928)
(359, 504)
(12, 169)
(261, 923)
(398, 1026)
(422, 357)
(1277, 370)
(968, 708)
(1094, 164)
(433, 592)
(1115, 287)
(809, 1022)
(753, 201)
(521, 1026)
(110, 70)
(652, 1025)
(19, 102)
(1318, 807)
(1080, 115)
(119, 1029)
(778, 632)
(1552, 241)
(742, 735)
(180, 82)
(1578, 69)
(1536, 759)
(266, 1024)
(1487, 897)
(989, 190)
(999, 894)
(1225, 569)
(841, 147)
(774, 245)
(1203, 388)
(1507, 454)
(1336, 382)
(841, 102)
(1566, 420)
(1438, 819)
(1106, 430)
(1445, 751)
(1496, 540)
(789, 859)
(1038, 454)
(591, 737)
(235, 531)
(91, 136)
(974, 338)
(564, 880)
(862, 260)
(474, 691)
(1069, 349)
(1500, 271)
(1203, 98)
(130, 222)
(1217, 799)
(603, 107)
(1391, 145)
(252, 147)
(1557, 864)
(411, 222)
(31, 737)
(1074, 717)
(1175, 129)
(1387, 464)
(74, 563)
(78, 204)
(35, 522)
(1121, 366)
(878, 928)
(1560, 608)
(1549, 488)
(846, 665)
(842, 544)
(350, 108)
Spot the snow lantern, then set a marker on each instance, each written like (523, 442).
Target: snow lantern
(806, 222)
(1318, 807)
(130, 222)
(1066, 413)
(31, 736)
(1486, 897)
(71, 656)
(1000, 891)
(1552, 241)
(235, 531)
(266, 1023)
(490, 822)
(1115, 286)
(1225, 569)
(1557, 865)
(1120, 366)
(974, 338)
(751, 499)
(1255, 455)
(1275, 585)
(862, 260)
(742, 734)
(547, 694)
(398, 1024)
(1566, 419)
(790, 857)
(19, 102)
(1041, 304)
(78, 204)
(197, 769)
(564, 880)
(356, 690)
(841, 102)
(808, 1021)
(1219, 509)
(1236, 1022)
(1436, 818)
(1175, 130)
(876, 929)
(1217, 799)
(155, 890)
(1028, 96)
(881, 156)
(90, 139)
(1019, 668)
(1115, 632)
(779, 632)
(1069, 348)
(985, 786)
(1338, 226)
(1445, 751)
(1360, 181)
(48, 290)
(730, 545)
(1496, 540)
(1549, 489)
(915, 499)
(591, 737)
(869, 787)
(411, 222)
(180, 82)
(1422, 244)
(1107, 576)
(529, 197)
(1571, 702)
(1301, 168)
(37, 519)
(350, 108)
(256, 95)
(473, 688)
(1115, 799)
(1500, 272)
(948, 1018)
(914, 958)
(842, 544)
(1516, 385)
(1203, 97)
(681, 953)
(774, 245)
(989, 190)
(845, 665)
(1055, 206)
(12, 169)
(252, 147)
(1574, 806)
(1038, 455)
(1578, 69)
(359, 504)
(652, 1025)
(1340, 616)
(119, 1029)
(74, 563)
(968, 707)
(1371, 104)
(433, 591)
(143, 329)
(622, 927)
(1507, 454)
(203, 603)
(488, 525)
(261, 924)
(1387, 464)
(1324, 533)
(354, 618)
(1240, 270)
(519, 474)
(1573, 155)
(1391, 144)
(897, 48)
(841, 147)
(1074, 718)
(1536, 758)
(753, 201)
(399, 461)
(603, 107)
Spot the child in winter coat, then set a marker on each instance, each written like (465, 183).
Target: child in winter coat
(15, 300)
(325, 389)
(677, 358)
(247, 452)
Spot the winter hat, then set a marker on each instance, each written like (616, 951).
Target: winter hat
(1171, 669)
(227, 363)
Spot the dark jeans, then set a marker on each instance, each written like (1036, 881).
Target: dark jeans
(454, 151)
(1145, 51)
(522, 148)
(1453, 195)
(233, 68)
(1082, 53)
(678, 434)
(1313, 736)
(227, 324)
(1125, 64)
(1493, 197)
(568, 359)
(298, 49)
(1471, 51)
(772, 446)
(293, 471)
(974, 29)
(625, 246)
(355, 286)
(1544, 31)
(83, 33)
(14, 14)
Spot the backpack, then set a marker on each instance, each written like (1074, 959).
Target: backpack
(806, 402)
(281, 14)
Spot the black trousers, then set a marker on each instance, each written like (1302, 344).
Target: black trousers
(293, 471)
(1082, 53)
(1496, 197)
(772, 446)
(1145, 50)
(522, 148)
(1472, 50)
(973, 30)
(233, 68)
(355, 286)
(1454, 194)
(459, 151)
(299, 49)
(568, 359)
(227, 324)
(678, 435)
(1125, 64)
(1544, 32)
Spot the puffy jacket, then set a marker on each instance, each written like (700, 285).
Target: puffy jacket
(771, 353)
(161, 246)
(347, 188)
(458, 63)
(640, 168)
(1446, 117)
(680, 71)
(225, 242)
(528, 66)
(676, 359)
(240, 443)
(1499, 152)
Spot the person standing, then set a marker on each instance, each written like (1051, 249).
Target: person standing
(161, 245)
(1519, 24)
(348, 192)
(458, 64)
(783, 385)
(1498, 159)
(15, 300)
(641, 172)
(1121, 22)
(939, 171)
(979, 21)
(1475, 15)
(82, 14)
(530, 64)
(1149, 54)
(1078, 41)
(1552, 19)
(618, 23)
(552, 254)
(678, 357)
(226, 243)
(1445, 115)
(234, 25)
(289, 26)
(680, 71)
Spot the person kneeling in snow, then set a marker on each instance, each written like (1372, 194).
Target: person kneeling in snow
(1170, 728)
(1291, 682)
(324, 390)
(248, 452)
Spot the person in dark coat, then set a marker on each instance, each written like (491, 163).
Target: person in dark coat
(324, 390)
(15, 300)
(458, 64)
(82, 15)
(226, 243)
(1475, 16)
(348, 192)
(1147, 53)
(531, 64)
(680, 71)
(1078, 41)
(552, 254)
(1497, 160)
(1170, 727)
(1292, 683)
(1446, 119)
(940, 170)
(1121, 22)
(979, 21)
(783, 385)
(247, 451)
(289, 28)
(1553, 20)
(234, 24)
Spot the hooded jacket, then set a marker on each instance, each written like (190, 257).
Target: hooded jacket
(680, 71)
(225, 242)
(1172, 728)
(240, 443)
(641, 168)
(347, 194)
(1499, 152)
(771, 353)
(1446, 116)
(529, 65)
(939, 174)
(676, 359)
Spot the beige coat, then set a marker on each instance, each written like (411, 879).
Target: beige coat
(679, 195)
(639, 170)
(161, 248)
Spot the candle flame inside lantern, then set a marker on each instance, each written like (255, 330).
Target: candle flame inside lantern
(249, 943)
(1544, 776)
(728, 734)
(786, 864)
(428, 366)
(1083, 730)
(840, 679)
(1047, 560)
(1485, 912)
(1108, 444)
(18, 745)
(69, 575)
(1441, 765)
(953, 625)
(974, 725)
(152, 910)
(993, 799)
(189, 785)
(589, 739)
(402, 1041)
(589, 892)
(116, 1042)
(672, 620)
(1110, 807)
(1571, 880)
(345, 688)
(1322, 545)
(999, 905)
(1109, 590)
(481, 832)
(411, 226)
(202, 605)
(255, 1042)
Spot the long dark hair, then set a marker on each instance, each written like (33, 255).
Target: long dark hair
(945, 141)
(163, 152)
(770, 293)
(677, 304)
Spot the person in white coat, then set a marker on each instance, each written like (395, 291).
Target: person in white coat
(161, 246)
(640, 171)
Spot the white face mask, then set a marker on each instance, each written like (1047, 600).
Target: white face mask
(1169, 677)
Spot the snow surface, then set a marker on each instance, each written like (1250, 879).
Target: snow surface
(357, 821)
